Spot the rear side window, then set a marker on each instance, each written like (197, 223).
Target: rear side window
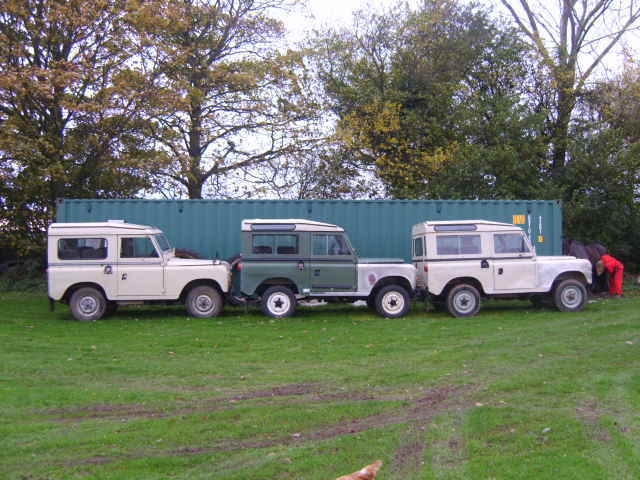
(510, 243)
(275, 244)
(137, 247)
(82, 248)
(330, 245)
(458, 244)
(418, 249)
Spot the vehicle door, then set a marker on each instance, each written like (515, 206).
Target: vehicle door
(514, 265)
(140, 268)
(333, 263)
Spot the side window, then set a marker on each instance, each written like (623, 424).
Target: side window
(82, 248)
(418, 249)
(458, 244)
(263, 244)
(509, 243)
(279, 244)
(330, 245)
(137, 247)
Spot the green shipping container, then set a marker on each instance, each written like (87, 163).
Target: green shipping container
(377, 228)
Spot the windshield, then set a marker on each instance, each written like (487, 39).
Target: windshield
(162, 242)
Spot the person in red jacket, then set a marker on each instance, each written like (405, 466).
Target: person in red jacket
(615, 268)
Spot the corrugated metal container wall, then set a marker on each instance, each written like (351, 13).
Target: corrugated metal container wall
(377, 228)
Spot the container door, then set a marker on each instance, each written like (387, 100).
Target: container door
(333, 264)
(140, 268)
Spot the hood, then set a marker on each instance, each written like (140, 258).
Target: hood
(381, 260)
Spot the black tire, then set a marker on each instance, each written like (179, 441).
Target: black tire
(204, 302)
(570, 296)
(392, 301)
(112, 307)
(278, 302)
(87, 304)
(463, 300)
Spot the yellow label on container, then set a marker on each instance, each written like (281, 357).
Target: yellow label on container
(540, 238)
(519, 219)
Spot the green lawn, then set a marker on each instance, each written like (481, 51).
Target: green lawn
(515, 392)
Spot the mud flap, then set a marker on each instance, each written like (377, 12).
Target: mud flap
(52, 304)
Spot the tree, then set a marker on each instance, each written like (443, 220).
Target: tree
(68, 112)
(225, 97)
(572, 40)
(433, 100)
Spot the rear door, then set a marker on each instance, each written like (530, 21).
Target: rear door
(333, 263)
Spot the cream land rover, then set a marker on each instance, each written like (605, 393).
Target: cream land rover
(94, 267)
(458, 262)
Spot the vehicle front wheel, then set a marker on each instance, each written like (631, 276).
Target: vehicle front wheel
(278, 302)
(87, 304)
(570, 296)
(203, 302)
(463, 300)
(392, 301)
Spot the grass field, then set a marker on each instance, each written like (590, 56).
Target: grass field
(513, 393)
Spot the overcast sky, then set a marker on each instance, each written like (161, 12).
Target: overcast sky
(317, 13)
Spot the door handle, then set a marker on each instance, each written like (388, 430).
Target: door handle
(124, 276)
(316, 272)
(108, 270)
(500, 270)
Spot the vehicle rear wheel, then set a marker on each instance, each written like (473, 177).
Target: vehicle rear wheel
(392, 301)
(463, 300)
(87, 304)
(278, 302)
(570, 296)
(203, 302)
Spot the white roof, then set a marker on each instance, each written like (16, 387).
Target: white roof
(111, 227)
(465, 226)
(288, 224)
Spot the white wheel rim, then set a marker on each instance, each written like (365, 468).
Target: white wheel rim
(203, 303)
(88, 305)
(464, 301)
(393, 302)
(571, 296)
(279, 303)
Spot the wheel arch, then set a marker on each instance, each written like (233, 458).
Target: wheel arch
(197, 283)
(394, 280)
(458, 281)
(571, 275)
(66, 297)
(275, 281)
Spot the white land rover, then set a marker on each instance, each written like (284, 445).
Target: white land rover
(94, 267)
(459, 262)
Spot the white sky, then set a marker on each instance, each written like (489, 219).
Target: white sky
(317, 13)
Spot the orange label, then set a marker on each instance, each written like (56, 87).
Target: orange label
(519, 219)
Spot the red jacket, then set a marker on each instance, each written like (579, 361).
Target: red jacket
(611, 264)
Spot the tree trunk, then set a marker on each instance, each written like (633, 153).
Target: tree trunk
(566, 104)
